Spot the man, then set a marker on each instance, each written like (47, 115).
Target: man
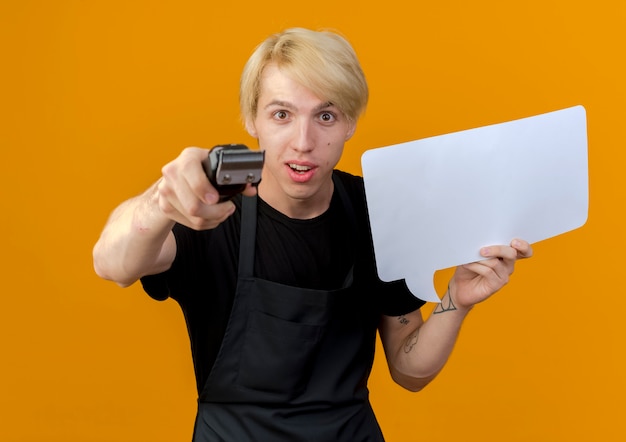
(279, 289)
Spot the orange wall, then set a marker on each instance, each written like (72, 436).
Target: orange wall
(97, 95)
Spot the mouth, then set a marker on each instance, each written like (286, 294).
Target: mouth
(301, 172)
(299, 168)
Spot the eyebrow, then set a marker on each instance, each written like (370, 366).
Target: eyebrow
(289, 105)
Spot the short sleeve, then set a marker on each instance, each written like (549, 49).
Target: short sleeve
(397, 300)
(156, 286)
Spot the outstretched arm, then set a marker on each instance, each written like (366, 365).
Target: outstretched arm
(417, 350)
(137, 240)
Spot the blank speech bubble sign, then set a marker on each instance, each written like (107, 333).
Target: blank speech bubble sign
(433, 203)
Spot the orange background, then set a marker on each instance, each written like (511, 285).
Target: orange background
(97, 95)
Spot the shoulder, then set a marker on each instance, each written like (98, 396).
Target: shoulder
(353, 184)
(349, 180)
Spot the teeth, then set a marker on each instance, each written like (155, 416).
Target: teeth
(299, 168)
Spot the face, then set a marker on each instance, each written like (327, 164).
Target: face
(303, 138)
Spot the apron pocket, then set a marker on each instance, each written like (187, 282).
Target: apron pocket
(277, 355)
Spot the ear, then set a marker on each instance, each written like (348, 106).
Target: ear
(251, 128)
(351, 131)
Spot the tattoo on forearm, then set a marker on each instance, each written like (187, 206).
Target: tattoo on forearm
(446, 305)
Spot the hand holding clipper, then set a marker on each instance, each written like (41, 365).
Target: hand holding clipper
(230, 167)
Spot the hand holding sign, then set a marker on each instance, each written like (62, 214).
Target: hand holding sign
(433, 203)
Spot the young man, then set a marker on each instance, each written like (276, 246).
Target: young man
(279, 289)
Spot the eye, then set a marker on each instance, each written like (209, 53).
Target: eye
(327, 117)
(281, 115)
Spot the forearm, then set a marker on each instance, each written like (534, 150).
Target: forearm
(427, 348)
(133, 241)
(418, 350)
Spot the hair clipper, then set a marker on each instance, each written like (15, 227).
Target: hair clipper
(230, 167)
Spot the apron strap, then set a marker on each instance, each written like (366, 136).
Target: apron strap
(347, 203)
(248, 236)
(349, 209)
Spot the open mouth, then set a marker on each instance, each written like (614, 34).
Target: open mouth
(299, 168)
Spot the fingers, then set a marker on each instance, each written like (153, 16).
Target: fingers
(524, 249)
(493, 269)
(198, 216)
(517, 250)
(478, 280)
(501, 259)
(187, 179)
(502, 252)
(187, 196)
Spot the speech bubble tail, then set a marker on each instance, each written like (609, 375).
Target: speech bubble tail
(421, 288)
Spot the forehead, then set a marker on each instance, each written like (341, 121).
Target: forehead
(277, 85)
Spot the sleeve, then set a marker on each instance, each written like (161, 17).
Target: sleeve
(163, 285)
(206, 261)
(394, 298)
(397, 300)
(156, 286)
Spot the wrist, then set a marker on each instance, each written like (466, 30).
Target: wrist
(148, 215)
(451, 299)
(453, 293)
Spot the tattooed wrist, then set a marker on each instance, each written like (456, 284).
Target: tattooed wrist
(446, 304)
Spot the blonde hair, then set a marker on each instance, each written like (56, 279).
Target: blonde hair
(322, 61)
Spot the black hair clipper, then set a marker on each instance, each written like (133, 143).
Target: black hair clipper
(230, 167)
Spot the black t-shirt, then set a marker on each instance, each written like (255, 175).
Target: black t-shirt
(316, 253)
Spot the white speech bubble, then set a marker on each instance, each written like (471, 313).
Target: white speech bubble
(433, 203)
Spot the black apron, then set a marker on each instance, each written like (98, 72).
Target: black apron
(294, 362)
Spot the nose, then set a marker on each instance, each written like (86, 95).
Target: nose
(304, 138)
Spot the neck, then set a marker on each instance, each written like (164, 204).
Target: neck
(294, 206)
